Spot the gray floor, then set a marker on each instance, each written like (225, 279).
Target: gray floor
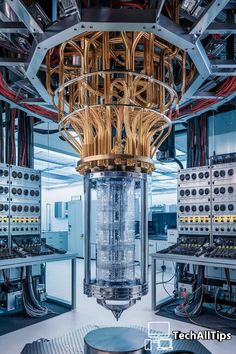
(88, 312)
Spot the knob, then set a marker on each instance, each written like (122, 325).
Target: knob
(181, 208)
(14, 190)
(207, 191)
(19, 208)
(19, 174)
(216, 190)
(216, 174)
(230, 190)
(231, 172)
(201, 191)
(187, 192)
(187, 177)
(222, 173)
(6, 190)
(222, 207)
(207, 208)
(26, 176)
(230, 207)
(207, 174)
(13, 208)
(5, 173)
(32, 177)
(181, 192)
(187, 208)
(26, 208)
(36, 193)
(222, 190)
(32, 209)
(1, 173)
(201, 208)
(181, 177)
(216, 207)
(194, 192)
(32, 193)
(19, 191)
(26, 192)
(37, 178)
(14, 174)
(37, 209)
(201, 175)
(194, 176)
(194, 208)
(1, 190)
(6, 207)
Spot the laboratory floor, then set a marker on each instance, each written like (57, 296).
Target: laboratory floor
(88, 312)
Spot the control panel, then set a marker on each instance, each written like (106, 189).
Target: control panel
(224, 200)
(207, 201)
(19, 203)
(24, 202)
(194, 201)
(4, 200)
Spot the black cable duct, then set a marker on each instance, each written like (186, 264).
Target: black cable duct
(1, 134)
(7, 131)
(197, 155)
(20, 138)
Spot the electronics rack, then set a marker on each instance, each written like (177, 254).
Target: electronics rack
(194, 202)
(4, 204)
(25, 187)
(20, 203)
(207, 202)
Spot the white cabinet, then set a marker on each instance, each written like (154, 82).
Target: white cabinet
(76, 228)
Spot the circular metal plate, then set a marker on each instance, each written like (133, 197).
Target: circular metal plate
(115, 340)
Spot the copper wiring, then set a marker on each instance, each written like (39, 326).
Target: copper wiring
(115, 90)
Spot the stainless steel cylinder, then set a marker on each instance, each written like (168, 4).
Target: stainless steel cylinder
(115, 340)
(120, 216)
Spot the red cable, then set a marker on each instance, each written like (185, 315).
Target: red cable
(24, 149)
(13, 135)
(10, 94)
(136, 5)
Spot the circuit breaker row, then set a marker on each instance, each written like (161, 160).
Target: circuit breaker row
(19, 201)
(207, 200)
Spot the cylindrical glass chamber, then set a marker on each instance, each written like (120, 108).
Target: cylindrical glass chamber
(120, 214)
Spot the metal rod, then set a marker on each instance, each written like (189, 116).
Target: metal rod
(144, 232)
(87, 236)
(73, 283)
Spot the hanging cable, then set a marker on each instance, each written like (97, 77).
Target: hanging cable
(1, 134)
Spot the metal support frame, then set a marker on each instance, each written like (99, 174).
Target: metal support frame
(22, 12)
(13, 27)
(212, 262)
(211, 12)
(28, 261)
(104, 19)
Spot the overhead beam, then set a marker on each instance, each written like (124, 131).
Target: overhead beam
(223, 64)
(211, 12)
(24, 15)
(13, 27)
(221, 28)
(205, 95)
(22, 108)
(11, 62)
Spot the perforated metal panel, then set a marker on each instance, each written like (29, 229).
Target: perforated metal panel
(73, 343)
